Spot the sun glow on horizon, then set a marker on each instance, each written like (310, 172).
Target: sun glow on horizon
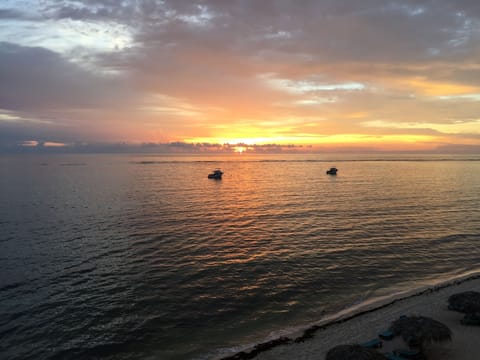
(240, 149)
(379, 142)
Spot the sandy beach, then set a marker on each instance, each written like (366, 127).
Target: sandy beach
(369, 323)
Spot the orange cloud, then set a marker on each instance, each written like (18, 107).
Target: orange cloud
(436, 88)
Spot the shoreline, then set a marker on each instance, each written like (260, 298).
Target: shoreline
(356, 323)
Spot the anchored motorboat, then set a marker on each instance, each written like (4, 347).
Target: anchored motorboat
(216, 174)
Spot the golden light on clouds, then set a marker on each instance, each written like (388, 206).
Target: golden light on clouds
(428, 87)
(382, 142)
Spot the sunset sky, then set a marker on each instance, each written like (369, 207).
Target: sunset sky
(373, 74)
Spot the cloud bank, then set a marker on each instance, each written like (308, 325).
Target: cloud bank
(372, 74)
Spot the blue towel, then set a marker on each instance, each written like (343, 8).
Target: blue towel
(386, 335)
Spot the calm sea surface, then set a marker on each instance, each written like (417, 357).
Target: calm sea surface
(143, 257)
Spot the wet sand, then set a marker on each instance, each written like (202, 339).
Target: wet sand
(359, 328)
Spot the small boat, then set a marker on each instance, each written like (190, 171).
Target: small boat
(332, 171)
(216, 174)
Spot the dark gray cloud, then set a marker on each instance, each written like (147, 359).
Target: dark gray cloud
(324, 30)
(8, 14)
(35, 78)
(54, 98)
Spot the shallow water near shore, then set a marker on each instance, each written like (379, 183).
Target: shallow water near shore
(142, 256)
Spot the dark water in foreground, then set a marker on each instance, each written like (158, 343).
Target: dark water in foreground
(143, 257)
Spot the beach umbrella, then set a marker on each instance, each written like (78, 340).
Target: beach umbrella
(353, 352)
(419, 330)
(466, 302)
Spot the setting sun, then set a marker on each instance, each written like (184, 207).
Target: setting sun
(239, 149)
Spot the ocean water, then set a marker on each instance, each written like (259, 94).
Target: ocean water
(143, 257)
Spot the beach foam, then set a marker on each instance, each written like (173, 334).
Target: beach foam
(366, 320)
